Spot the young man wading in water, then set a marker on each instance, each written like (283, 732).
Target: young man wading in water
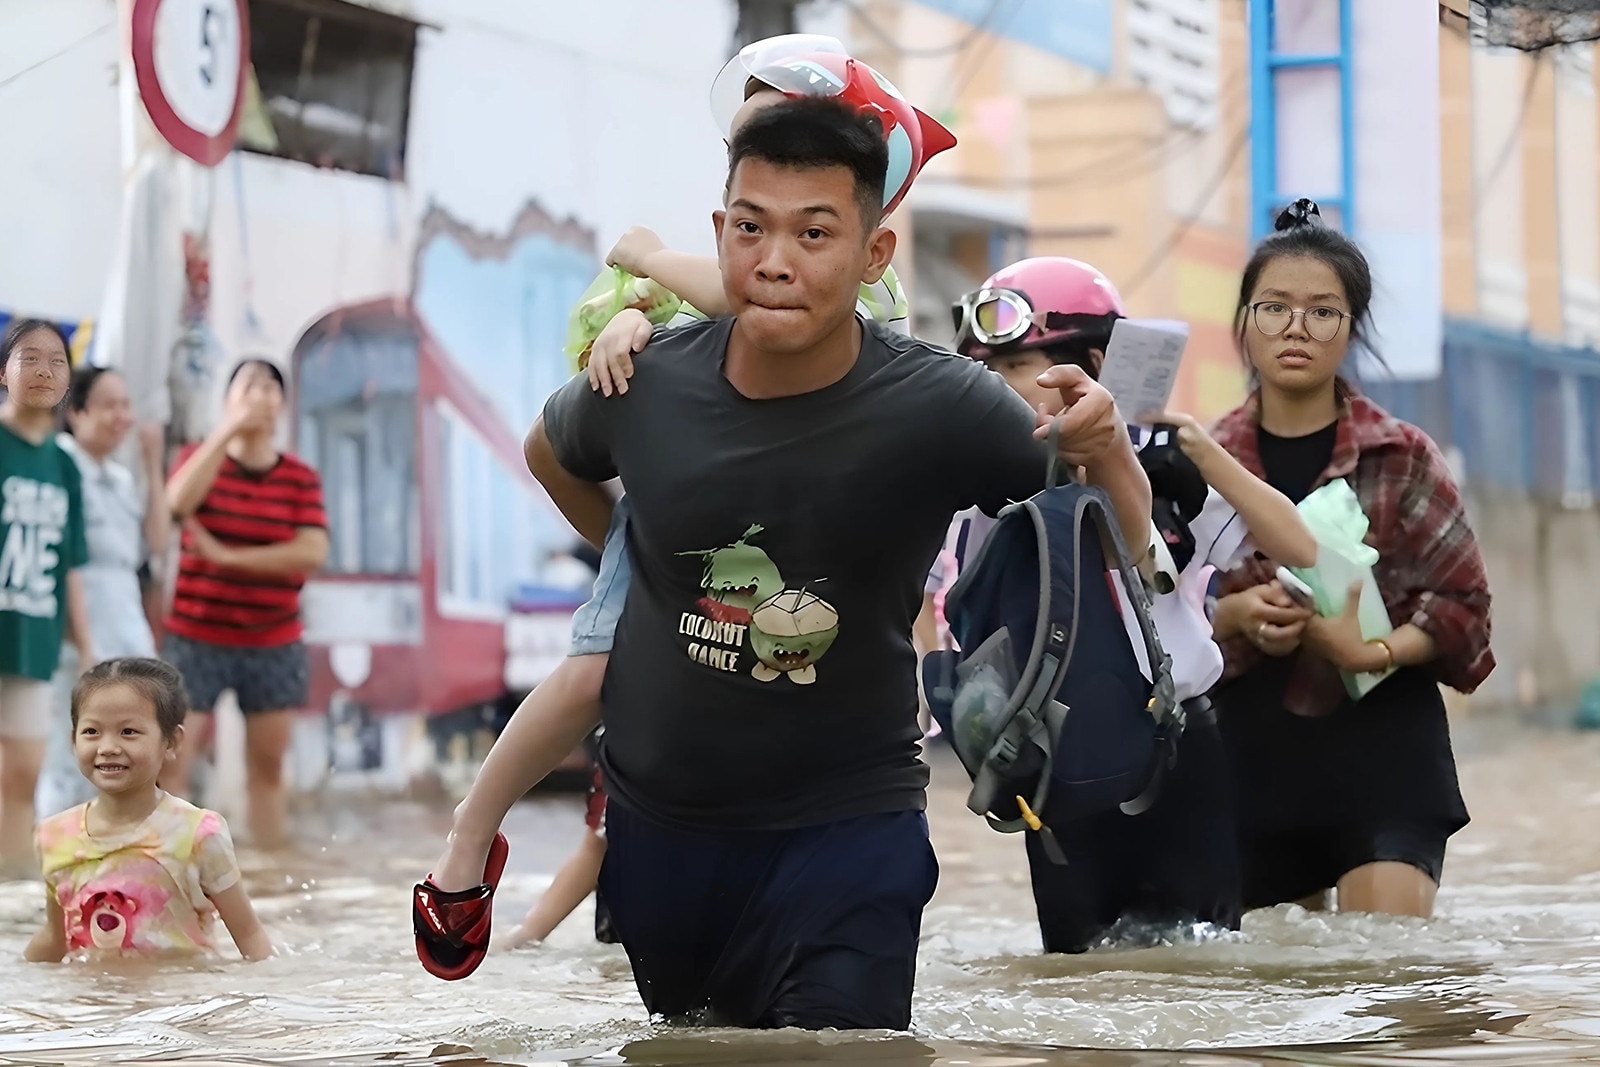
(792, 472)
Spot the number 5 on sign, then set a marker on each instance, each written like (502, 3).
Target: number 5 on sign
(191, 58)
(208, 65)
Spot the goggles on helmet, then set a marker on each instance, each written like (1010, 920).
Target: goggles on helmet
(995, 317)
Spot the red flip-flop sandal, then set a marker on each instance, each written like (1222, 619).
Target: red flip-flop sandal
(453, 928)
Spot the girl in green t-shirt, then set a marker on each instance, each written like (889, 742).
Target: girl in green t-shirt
(41, 546)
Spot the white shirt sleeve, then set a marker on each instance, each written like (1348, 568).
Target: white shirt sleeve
(1220, 536)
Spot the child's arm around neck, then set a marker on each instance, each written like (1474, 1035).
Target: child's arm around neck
(695, 279)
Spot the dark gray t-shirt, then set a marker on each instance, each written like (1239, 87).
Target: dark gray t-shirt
(763, 675)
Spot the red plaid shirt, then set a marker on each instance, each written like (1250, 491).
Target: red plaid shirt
(1429, 569)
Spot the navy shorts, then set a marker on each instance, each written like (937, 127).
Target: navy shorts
(811, 928)
(1176, 863)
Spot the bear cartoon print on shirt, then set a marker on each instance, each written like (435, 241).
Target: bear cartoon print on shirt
(108, 917)
(746, 606)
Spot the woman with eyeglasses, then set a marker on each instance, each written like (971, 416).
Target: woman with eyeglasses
(124, 525)
(1358, 796)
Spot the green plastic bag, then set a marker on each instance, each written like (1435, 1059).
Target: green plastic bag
(1337, 522)
(613, 291)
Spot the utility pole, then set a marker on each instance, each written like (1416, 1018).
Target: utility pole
(759, 19)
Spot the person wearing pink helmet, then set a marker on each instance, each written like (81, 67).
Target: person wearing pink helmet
(1175, 865)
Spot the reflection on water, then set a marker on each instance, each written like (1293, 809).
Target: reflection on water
(1507, 975)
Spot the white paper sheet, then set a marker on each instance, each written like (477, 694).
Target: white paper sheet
(1141, 364)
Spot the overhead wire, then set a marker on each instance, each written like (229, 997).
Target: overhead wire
(1146, 155)
(1513, 134)
(954, 48)
(1166, 247)
(975, 59)
(30, 68)
(1141, 157)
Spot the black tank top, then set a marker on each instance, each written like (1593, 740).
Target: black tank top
(1293, 464)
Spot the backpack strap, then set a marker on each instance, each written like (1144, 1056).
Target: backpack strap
(1047, 665)
(1033, 700)
(947, 671)
(1040, 673)
(1164, 706)
(1054, 464)
(1053, 645)
(970, 572)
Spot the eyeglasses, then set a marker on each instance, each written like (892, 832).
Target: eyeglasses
(1272, 317)
(999, 316)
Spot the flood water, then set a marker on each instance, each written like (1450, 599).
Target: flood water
(1508, 973)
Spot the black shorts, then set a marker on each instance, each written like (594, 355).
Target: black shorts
(1374, 781)
(1284, 866)
(264, 679)
(812, 928)
(1177, 863)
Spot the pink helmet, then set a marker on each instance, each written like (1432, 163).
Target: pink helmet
(1033, 303)
(810, 65)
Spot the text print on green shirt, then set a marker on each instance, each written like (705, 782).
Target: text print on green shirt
(35, 518)
(41, 539)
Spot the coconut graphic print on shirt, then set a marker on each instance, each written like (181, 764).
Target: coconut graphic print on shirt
(746, 605)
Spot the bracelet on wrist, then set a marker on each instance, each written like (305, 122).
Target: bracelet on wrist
(1388, 652)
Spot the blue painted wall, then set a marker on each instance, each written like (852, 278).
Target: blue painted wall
(1079, 30)
(501, 322)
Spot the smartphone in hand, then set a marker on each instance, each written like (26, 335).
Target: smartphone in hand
(1298, 591)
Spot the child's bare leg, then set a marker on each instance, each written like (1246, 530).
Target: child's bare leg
(572, 885)
(549, 724)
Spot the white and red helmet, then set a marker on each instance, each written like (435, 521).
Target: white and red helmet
(803, 64)
(1033, 303)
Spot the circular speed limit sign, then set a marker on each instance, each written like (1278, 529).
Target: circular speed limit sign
(190, 57)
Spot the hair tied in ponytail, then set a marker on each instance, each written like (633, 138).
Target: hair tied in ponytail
(1303, 212)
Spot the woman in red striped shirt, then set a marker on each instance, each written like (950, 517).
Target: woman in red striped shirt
(253, 529)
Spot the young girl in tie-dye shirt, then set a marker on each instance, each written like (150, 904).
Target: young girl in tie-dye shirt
(136, 870)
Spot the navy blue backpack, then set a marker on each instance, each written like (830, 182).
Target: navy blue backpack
(1044, 702)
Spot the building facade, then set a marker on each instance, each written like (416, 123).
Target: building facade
(421, 190)
(1120, 132)
(423, 186)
